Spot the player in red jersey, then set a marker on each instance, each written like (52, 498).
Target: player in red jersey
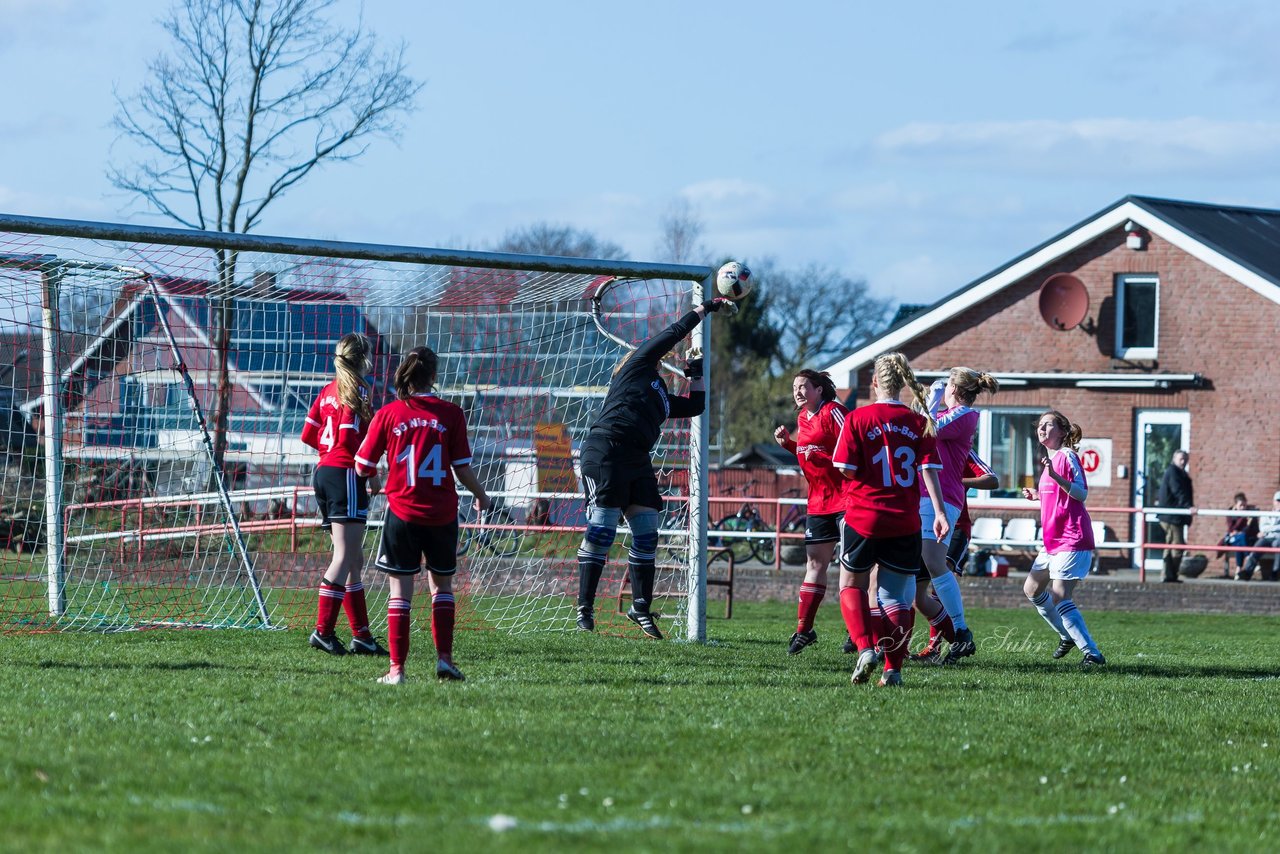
(977, 475)
(335, 426)
(883, 449)
(818, 426)
(425, 441)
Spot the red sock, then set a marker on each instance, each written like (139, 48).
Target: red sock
(357, 611)
(810, 598)
(884, 628)
(442, 614)
(398, 631)
(330, 604)
(857, 616)
(942, 625)
(901, 621)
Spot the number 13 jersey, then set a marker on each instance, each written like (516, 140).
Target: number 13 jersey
(423, 437)
(884, 446)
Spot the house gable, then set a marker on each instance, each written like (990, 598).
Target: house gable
(1215, 242)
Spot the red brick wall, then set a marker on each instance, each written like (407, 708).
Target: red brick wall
(1209, 324)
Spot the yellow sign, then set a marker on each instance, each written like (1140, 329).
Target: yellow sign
(554, 450)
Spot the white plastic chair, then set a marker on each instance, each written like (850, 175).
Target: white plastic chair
(1022, 534)
(986, 529)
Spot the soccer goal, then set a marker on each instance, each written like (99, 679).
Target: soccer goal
(153, 384)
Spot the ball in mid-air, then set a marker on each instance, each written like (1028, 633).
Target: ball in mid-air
(734, 281)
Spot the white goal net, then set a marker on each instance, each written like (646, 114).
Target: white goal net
(153, 384)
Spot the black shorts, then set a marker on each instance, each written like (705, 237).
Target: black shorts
(618, 475)
(404, 544)
(342, 495)
(958, 551)
(860, 554)
(822, 528)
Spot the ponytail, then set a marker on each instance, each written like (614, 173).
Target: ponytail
(416, 373)
(351, 361)
(893, 374)
(969, 384)
(1071, 433)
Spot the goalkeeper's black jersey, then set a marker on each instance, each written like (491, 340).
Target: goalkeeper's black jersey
(638, 402)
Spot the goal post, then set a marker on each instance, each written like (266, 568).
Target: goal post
(142, 528)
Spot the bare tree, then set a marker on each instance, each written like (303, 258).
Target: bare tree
(252, 97)
(546, 239)
(820, 314)
(682, 228)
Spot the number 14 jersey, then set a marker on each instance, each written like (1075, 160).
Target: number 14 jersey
(884, 446)
(423, 437)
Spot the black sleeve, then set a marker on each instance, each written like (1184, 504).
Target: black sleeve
(687, 407)
(651, 352)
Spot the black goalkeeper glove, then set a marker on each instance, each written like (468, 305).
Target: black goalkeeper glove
(719, 303)
(693, 368)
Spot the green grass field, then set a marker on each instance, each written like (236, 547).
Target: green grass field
(233, 740)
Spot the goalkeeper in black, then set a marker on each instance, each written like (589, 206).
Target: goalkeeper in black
(617, 472)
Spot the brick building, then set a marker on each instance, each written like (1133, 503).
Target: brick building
(1175, 346)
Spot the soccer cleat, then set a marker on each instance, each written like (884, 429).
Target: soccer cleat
(930, 654)
(867, 661)
(890, 679)
(446, 671)
(849, 648)
(802, 639)
(365, 646)
(1064, 646)
(327, 643)
(1092, 659)
(392, 677)
(962, 647)
(644, 620)
(586, 619)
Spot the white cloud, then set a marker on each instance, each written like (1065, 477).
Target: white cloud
(1088, 146)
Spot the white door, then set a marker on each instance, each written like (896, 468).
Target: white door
(1160, 432)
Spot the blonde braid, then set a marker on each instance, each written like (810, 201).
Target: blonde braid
(350, 363)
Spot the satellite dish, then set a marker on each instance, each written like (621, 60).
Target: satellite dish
(1064, 301)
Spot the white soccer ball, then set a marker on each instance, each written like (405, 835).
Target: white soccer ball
(734, 280)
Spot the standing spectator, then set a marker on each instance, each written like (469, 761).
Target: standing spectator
(1176, 491)
(1241, 531)
(1269, 539)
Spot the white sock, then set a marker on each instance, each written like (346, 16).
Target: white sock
(948, 591)
(1044, 604)
(1073, 622)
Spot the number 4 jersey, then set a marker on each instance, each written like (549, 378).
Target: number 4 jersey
(884, 446)
(423, 437)
(333, 429)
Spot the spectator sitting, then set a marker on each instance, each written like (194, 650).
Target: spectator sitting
(1270, 539)
(1241, 531)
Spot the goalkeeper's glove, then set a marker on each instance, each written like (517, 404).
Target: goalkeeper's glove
(693, 364)
(719, 303)
(937, 392)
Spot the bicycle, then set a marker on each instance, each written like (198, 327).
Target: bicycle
(748, 521)
(794, 521)
(494, 532)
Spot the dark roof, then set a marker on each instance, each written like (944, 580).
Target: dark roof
(1248, 236)
(906, 311)
(762, 455)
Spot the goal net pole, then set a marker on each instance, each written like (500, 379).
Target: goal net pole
(219, 476)
(51, 419)
(699, 441)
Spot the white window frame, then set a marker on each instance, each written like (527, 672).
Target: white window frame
(984, 451)
(1121, 351)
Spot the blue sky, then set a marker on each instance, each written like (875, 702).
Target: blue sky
(918, 146)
